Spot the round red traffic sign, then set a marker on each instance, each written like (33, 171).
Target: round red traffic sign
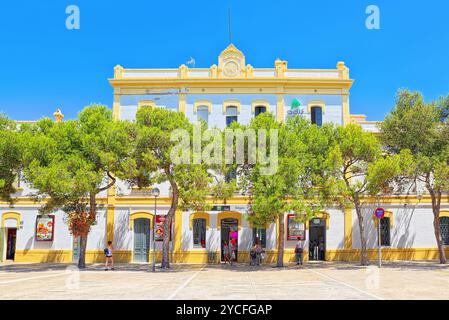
(379, 213)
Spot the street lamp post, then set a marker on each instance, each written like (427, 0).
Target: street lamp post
(155, 193)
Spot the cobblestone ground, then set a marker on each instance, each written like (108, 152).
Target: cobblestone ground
(423, 280)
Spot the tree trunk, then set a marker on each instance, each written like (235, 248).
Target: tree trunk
(83, 237)
(280, 258)
(436, 205)
(82, 252)
(165, 264)
(363, 254)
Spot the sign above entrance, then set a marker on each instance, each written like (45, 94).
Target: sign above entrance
(221, 208)
(379, 213)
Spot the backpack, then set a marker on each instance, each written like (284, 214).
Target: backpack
(106, 252)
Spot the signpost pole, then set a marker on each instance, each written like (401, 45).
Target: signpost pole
(154, 231)
(155, 193)
(379, 242)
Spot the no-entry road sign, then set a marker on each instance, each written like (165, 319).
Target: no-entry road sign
(379, 213)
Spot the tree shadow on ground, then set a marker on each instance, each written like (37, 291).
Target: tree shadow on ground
(237, 267)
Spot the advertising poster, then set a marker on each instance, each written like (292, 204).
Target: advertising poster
(159, 228)
(295, 230)
(45, 228)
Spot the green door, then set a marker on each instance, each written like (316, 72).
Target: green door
(2, 242)
(141, 239)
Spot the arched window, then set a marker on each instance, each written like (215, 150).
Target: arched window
(259, 109)
(317, 116)
(385, 238)
(203, 113)
(199, 232)
(231, 115)
(444, 230)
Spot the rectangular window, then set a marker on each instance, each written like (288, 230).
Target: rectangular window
(260, 236)
(231, 115)
(259, 109)
(444, 229)
(231, 175)
(203, 113)
(317, 116)
(199, 233)
(385, 232)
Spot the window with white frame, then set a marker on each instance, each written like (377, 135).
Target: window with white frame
(231, 115)
(202, 113)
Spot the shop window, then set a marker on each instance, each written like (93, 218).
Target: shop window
(259, 109)
(260, 236)
(199, 232)
(317, 116)
(203, 113)
(231, 115)
(385, 232)
(444, 230)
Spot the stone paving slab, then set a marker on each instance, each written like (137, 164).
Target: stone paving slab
(314, 281)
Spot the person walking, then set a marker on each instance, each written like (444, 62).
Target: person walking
(226, 254)
(299, 249)
(109, 256)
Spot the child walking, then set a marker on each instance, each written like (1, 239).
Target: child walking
(109, 256)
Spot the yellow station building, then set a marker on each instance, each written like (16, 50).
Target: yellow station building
(228, 91)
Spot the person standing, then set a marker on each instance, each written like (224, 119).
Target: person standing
(299, 249)
(109, 256)
(321, 249)
(253, 255)
(259, 250)
(232, 248)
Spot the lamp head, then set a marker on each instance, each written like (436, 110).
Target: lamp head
(155, 192)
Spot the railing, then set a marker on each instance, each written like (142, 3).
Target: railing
(184, 72)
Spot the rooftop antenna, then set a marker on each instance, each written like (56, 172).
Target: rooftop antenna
(229, 24)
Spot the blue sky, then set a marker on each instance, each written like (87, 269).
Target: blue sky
(45, 66)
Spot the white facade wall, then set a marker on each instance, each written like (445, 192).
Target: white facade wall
(26, 233)
(213, 234)
(412, 227)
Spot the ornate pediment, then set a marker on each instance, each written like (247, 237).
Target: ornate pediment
(231, 62)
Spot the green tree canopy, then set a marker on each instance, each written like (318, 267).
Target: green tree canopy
(415, 128)
(72, 162)
(155, 153)
(11, 147)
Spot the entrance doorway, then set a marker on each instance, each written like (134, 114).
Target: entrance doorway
(11, 236)
(229, 234)
(317, 239)
(142, 239)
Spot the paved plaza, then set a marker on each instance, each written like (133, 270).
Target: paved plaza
(395, 280)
